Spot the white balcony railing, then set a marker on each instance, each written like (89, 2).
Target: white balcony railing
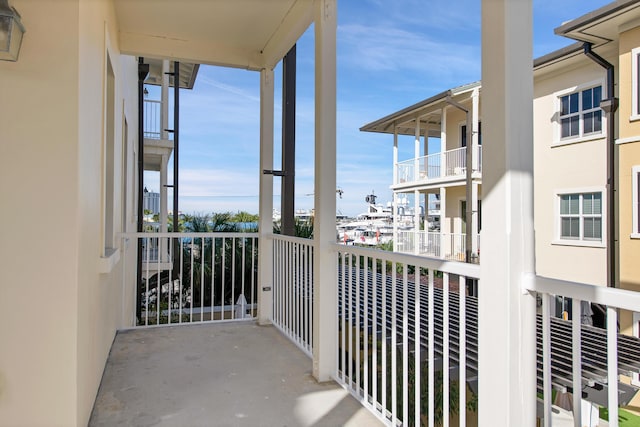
(451, 163)
(407, 337)
(152, 119)
(449, 246)
(293, 289)
(573, 355)
(196, 277)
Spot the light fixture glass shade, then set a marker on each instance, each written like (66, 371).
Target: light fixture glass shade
(11, 31)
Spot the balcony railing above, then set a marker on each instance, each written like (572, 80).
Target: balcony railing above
(439, 166)
(449, 246)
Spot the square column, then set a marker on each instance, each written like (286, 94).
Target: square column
(325, 289)
(265, 222)
(506, 314)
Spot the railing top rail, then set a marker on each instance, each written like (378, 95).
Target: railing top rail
(292, 239)
(412, 160)
(621, 298)
(189, 234)
(452, 267)
(153, 101)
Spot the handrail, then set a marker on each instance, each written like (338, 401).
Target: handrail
(620, 298)
(453, 267)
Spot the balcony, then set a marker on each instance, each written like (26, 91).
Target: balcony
(439, 168)
(401, 320)
(447, 246)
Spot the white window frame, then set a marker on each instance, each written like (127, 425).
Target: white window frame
(635, 102)
(558, 139)
(558, 240)
(635, 200)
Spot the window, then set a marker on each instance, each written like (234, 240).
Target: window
(463, 135)
(635, 84)
(635, 202)
(580, 113)
(581, 216)
(109, 150)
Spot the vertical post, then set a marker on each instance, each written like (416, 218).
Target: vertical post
(475, 111)
(325, 266)
(164, 101)
(143, 71)
(416, 222)
(395, 194)
(288, 142)
(176, 132)
(507, 346)
(265, 221)
(443, 191)
(416, 193)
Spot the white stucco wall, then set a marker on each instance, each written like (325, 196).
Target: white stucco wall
(58, 314)
(577, 167)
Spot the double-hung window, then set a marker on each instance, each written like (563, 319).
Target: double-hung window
(581, 216)
(580, 113)
(635, 84)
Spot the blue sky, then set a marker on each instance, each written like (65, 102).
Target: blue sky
(391, 54)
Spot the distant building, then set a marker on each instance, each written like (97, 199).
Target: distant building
(151, 202)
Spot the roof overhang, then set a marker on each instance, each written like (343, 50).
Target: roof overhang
(249, 34)
(188, 73)
(428, 112)
(604, 24)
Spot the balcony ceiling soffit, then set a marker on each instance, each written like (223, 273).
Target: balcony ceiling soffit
(250, 34)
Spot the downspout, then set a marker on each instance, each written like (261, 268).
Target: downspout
(143, 71)
(609, 106)
(468, 215)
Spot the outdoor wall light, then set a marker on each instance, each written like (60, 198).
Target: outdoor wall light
(11, 31)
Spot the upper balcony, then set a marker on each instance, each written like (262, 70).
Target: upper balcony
(446, 167)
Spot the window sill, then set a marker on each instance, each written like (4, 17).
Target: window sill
(570, 141)
(635, 236)
(108, 260)
(634, 118)
(579, 243)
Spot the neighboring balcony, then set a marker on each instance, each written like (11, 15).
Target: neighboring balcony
(155, 133)
(447, 166)
(448, 246)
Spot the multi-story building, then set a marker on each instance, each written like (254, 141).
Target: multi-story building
(69, 283)
(453, 117)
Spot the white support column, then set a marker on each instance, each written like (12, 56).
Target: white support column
(325, 289)
(265, 224)
(443, 191)
(395, 193)
(474, 220)
(443, 141)
(416, 221)
(416, 151)
(475, 113)
(475, 128)
(443, 216)
(507, 322)
(164, 101)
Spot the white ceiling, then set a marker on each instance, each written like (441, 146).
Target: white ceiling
(251, 34)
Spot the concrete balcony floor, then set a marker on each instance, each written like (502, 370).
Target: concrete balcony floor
(224, 374)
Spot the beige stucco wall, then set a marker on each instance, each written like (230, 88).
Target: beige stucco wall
(58, 314)
(574, 167)
(629, 156)
(455, 119)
